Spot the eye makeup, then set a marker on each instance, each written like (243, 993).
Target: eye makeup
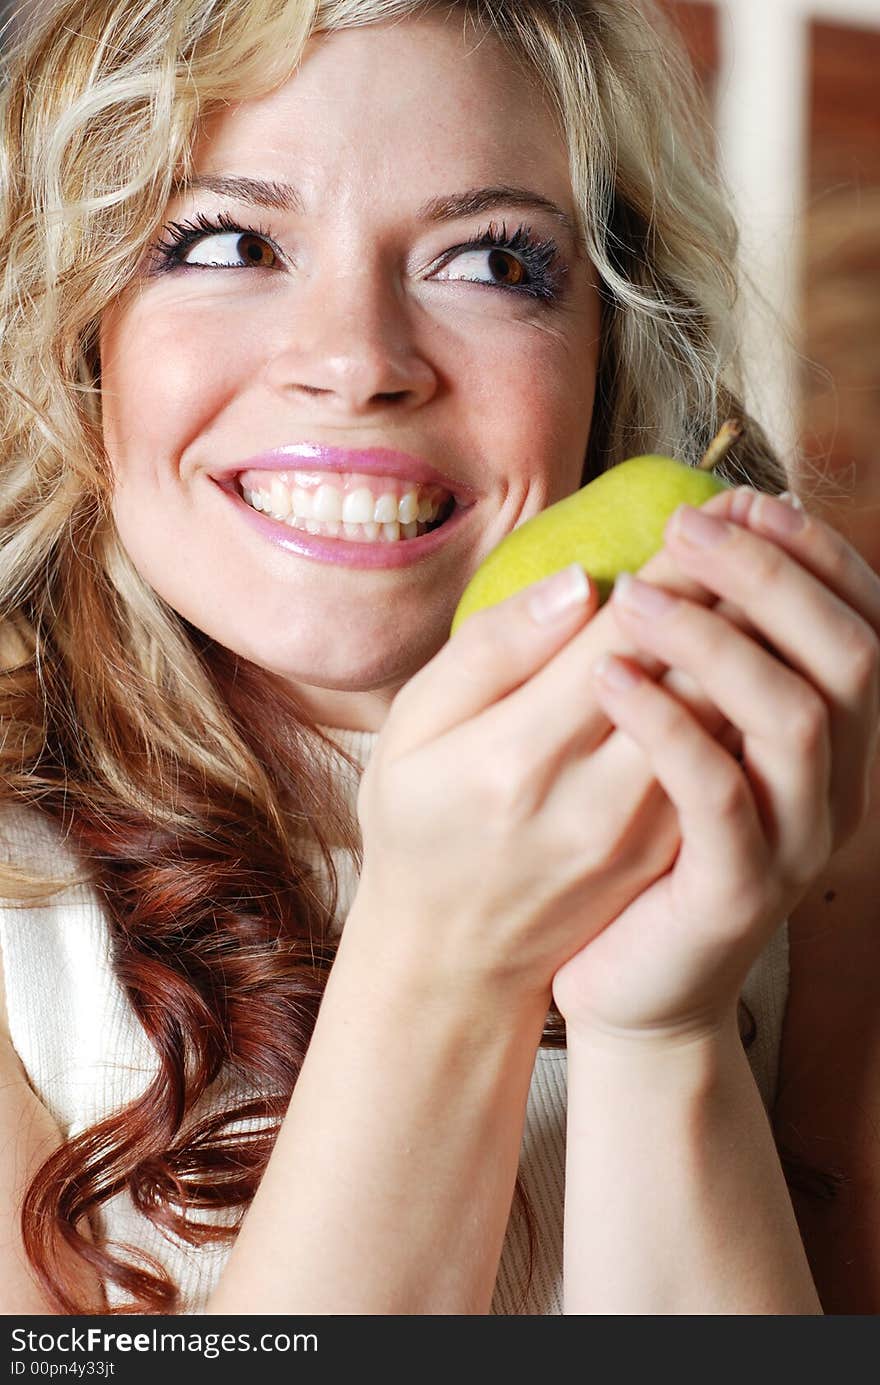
(533, 266)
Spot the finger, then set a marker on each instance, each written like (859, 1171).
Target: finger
(557, 703)
(494, 651)
(722, 837)
(661, 570)
(682, 686)
(827, 641)
(783, 720)
(580, 724)
(816, 545)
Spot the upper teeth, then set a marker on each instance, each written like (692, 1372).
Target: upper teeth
(331, 504)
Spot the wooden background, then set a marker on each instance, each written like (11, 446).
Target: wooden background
(839, 287)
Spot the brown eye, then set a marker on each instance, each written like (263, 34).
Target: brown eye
(509, 270)
(228, 250)
(504, 269)
(255, 251)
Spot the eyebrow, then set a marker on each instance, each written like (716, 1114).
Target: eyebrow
(284, 197)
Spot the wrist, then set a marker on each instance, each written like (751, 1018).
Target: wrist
(696, 1047)
(397, 960)
(687, 1081)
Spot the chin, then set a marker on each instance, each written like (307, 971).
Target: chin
(367, 674)
(372, 659)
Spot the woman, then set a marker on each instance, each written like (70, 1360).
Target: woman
(289, 348)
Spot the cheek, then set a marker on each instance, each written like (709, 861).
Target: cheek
(157, 387)
(537, 406)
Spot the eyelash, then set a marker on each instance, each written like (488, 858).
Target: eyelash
(540, 258)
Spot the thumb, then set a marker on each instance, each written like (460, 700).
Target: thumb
(493, 652)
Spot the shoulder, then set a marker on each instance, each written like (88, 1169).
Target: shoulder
(27, 835)
(33, 849)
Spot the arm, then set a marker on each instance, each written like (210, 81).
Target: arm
(389, 1187)
(675, 1200)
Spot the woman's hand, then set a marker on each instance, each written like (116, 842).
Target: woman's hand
(793, 666)
(493, 845)
(504, 821)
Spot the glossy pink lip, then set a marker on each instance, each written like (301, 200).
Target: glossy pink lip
(379, 461)
(342, 552)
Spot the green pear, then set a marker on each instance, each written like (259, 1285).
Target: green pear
(613, 524)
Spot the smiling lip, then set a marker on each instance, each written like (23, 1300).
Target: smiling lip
(344, 552)
(377, 461)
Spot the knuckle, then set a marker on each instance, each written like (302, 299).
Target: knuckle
(726, 792)
(485, 644)
(711, 633)
(833, 550)
(807, 723)
(670, 720)
(763, 569)
(813, 855)
(506, 780)
(862, 658)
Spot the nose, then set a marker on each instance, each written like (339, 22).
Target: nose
(348, 346)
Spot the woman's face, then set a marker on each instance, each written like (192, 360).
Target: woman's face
(316, 301)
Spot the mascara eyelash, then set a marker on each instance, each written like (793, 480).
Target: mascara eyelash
(185, 234)
(540, 257)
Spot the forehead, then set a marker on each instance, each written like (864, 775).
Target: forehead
(394, 104)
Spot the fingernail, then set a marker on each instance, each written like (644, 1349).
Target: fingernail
(791, 499)
(556, 595)
(741, 503)
(779, 518)
(616, 674)
(697, 528)
(642, 597)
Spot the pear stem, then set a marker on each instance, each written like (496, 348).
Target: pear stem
(721, 444)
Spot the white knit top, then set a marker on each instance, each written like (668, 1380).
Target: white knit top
(86, 1055)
